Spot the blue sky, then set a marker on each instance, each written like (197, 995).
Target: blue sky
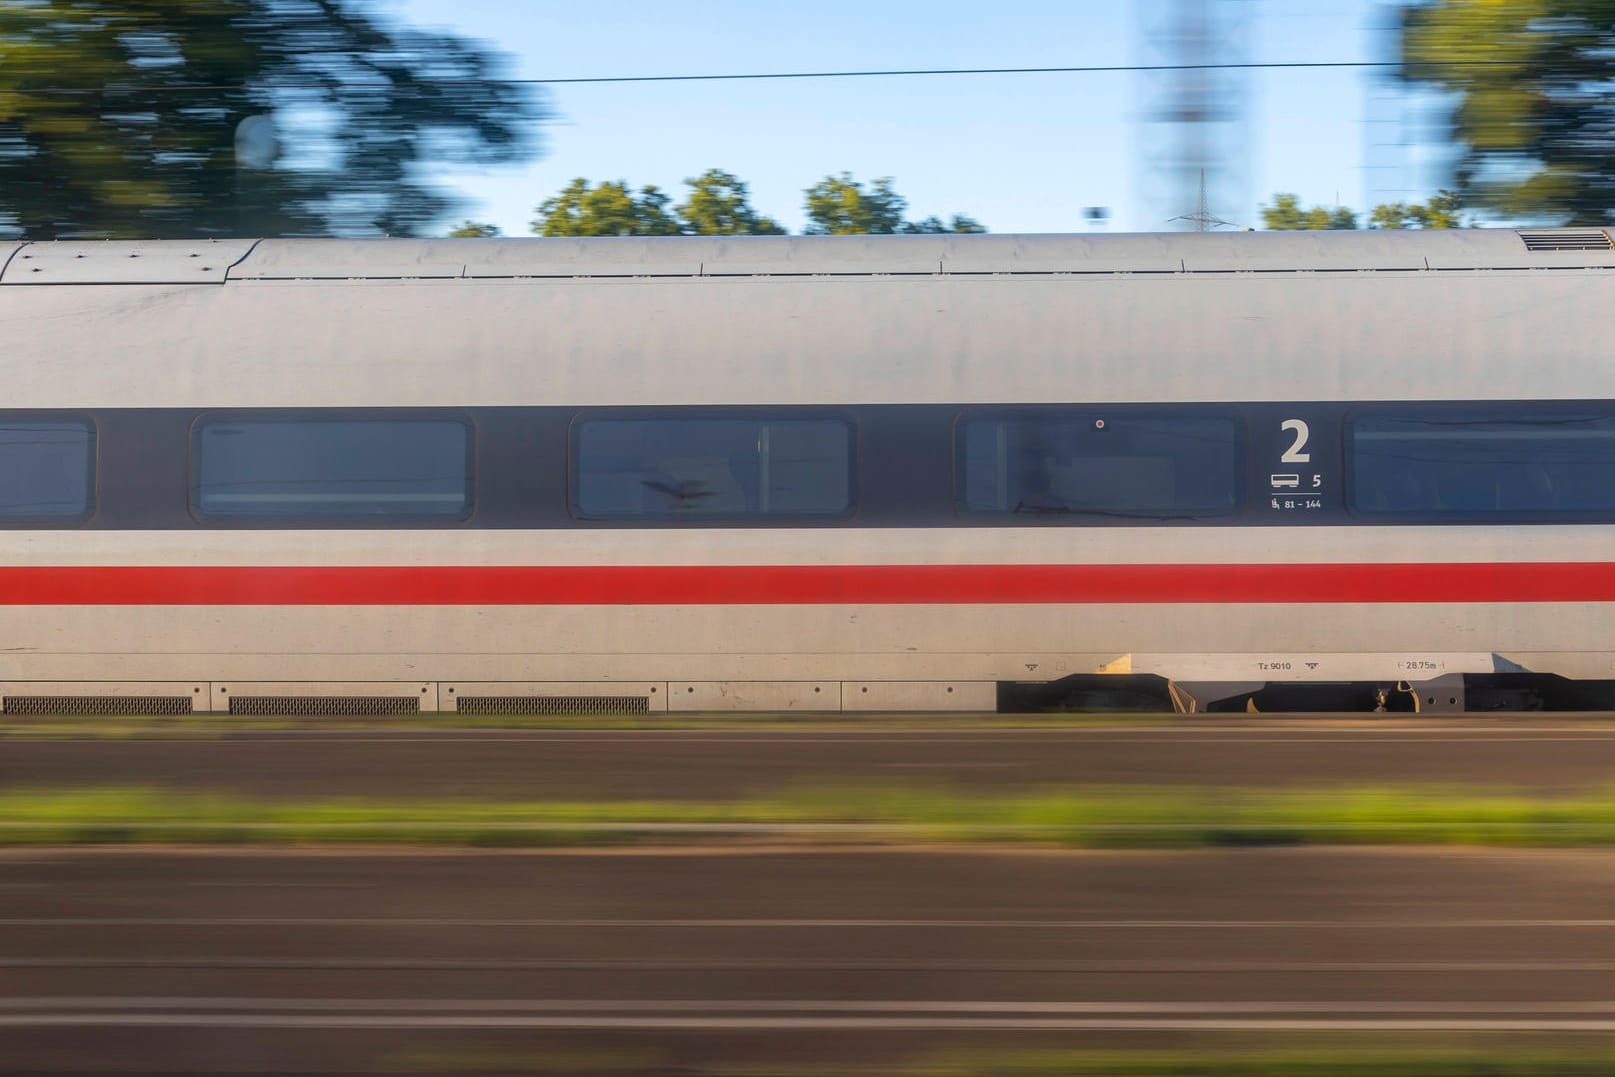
(1021, 153)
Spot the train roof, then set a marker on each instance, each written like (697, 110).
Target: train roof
(225, 260)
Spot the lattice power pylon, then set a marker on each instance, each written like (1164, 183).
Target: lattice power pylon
(1195, 147)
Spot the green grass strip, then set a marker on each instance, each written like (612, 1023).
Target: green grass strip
(1353, 1061)
(1089, 817)
(121, 726)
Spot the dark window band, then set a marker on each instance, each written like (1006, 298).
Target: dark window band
(47, 469)
(301, 466)
(1072, 465)
(1518, 462)
(728, 467)
(1265, 463)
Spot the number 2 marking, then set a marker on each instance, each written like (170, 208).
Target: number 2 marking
(1294, 455)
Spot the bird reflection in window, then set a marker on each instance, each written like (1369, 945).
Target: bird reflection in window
(682, 494)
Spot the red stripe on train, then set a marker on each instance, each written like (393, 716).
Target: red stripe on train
(802, 584)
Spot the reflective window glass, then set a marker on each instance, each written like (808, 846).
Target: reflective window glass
(47, 469)
(302, 467)
(1516, 462)
(1092, 463)
(691, 468)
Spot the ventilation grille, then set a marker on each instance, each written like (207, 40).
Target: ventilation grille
(132, 706)
(303, 706)
(1590, 239)
(554, 705)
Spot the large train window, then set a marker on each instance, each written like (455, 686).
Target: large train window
(1084, 464)
(308, 467)
(47, 469)
(711, 467)
(1516, 462)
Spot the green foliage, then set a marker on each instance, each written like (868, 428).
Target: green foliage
(121, 118)
(474, 230)
(1286, 215)
(719, 205)
(841, 206)
(958, 223)
(1535, 121)
(611, 209)
(1441, 211)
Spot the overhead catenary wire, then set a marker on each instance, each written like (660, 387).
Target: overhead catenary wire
(600, 80)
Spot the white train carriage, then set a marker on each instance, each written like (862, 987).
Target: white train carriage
(863, 474)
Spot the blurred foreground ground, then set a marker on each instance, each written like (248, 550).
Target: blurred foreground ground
(749, 956)
(343, 961)
(324, 759)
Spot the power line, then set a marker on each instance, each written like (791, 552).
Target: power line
(324, 84)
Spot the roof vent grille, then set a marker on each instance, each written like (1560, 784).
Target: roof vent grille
(1566, 239)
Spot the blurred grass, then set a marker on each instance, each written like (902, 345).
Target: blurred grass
(1129, 817)
(1355, 1061)
(113, 726)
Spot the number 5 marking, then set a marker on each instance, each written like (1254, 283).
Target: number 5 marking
(1294, 455)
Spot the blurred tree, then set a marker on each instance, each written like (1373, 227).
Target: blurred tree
(611, 209)
(1441, 211)
(1286, 215)
(1536, 121)
(474, 230)
(125, 118)
(720, 206)
(958, 223)
(841, 206)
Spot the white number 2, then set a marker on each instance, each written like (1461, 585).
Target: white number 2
(1294, 455)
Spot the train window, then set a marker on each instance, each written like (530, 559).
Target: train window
(1093, 463)
(47, 469)
(711, 468)
(1496, 462)
(301, 467)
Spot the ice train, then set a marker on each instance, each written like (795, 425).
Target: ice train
(903, 473)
